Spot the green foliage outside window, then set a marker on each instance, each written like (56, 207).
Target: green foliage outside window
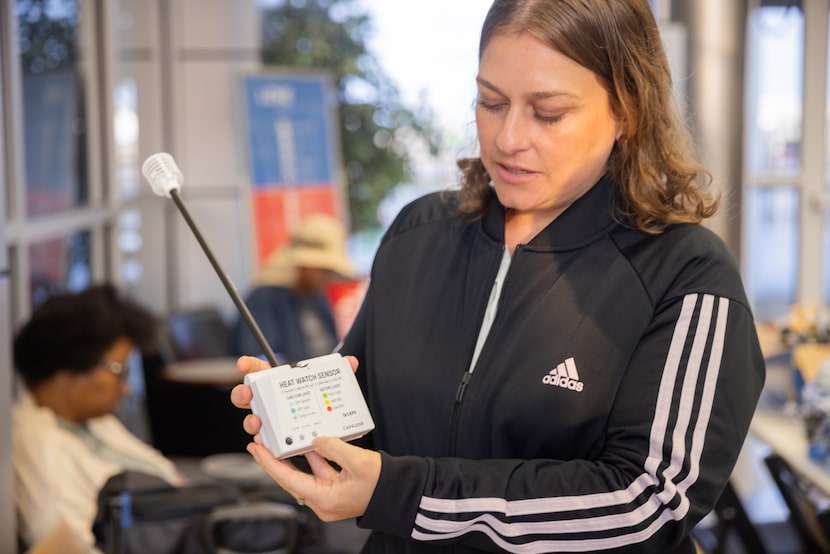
(329, 35)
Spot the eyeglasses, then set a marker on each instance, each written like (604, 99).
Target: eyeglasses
(122, 371)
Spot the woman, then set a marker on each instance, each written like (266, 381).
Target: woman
(558, 357)
(72, 356)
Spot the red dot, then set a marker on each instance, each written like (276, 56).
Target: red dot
(328, 408)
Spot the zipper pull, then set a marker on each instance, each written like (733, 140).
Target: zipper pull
(463, 385)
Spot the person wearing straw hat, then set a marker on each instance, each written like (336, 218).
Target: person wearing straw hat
(288, 296)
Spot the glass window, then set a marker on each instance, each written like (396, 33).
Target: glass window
(60, 264)
(127, 164)
(53, 105)
(825, 202)
(772, 242)
(775, 57)
(126, 133)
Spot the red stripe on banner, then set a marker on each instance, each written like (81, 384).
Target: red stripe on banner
(278, 210)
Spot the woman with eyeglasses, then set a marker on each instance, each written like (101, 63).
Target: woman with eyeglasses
(72, 357)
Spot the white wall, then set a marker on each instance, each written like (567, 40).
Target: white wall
(187, 58)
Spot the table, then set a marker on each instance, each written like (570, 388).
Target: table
(220, 372)
(786, 436)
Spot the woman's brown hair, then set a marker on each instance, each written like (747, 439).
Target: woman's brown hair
(653, 163)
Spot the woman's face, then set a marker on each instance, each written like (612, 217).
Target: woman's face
(545, 125)
(99, 391)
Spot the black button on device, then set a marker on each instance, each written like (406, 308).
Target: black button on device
(289, 440)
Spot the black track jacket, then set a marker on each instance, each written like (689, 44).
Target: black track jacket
(607, 407)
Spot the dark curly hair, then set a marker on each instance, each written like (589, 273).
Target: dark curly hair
(653, 164)
(72, 331)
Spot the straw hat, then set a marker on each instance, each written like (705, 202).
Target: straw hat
(318, 242)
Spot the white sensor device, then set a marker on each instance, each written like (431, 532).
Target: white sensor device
(316, 397)
(162, 173)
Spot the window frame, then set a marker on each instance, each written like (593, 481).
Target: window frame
(99, 216)
(811, 179)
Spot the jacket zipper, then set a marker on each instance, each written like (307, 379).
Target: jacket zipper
(468, 375)
(459, 397)
(462, 386)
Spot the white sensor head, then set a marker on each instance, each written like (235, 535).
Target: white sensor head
(162, 173)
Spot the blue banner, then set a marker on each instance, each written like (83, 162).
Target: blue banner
(289, 128)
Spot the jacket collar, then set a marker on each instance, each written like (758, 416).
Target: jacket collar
(589, 216)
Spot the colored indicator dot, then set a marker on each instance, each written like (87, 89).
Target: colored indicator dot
(328, 402)
(293, 410)
(328, 408)
(325, 395)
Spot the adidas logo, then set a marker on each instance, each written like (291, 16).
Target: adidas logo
(564, 375)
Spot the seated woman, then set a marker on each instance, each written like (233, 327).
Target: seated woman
(72, 357)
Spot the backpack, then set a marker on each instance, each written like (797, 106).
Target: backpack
(138, 513)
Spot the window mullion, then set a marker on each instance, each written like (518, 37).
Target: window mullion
(811, 218)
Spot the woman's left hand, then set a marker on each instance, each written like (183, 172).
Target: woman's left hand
(332, 494)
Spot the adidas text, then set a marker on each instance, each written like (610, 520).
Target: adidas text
(564, 375)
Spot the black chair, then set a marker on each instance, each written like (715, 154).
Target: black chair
(198, 333)
(734, 533)
(732, 525)
(809, 511)
(267, 527)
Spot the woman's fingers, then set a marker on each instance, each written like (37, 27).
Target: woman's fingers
(332, 494)
(241, 396)
(252, 424)
(249, 364)
(345, 493)
(320, 466)
(356, 463)
(294, 481)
